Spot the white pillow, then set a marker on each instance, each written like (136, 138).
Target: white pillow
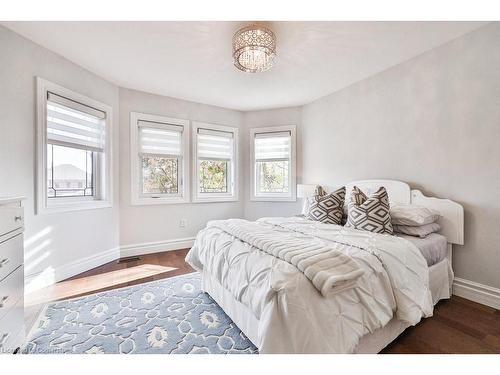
(421, 231)
(413, 215)
(305, 205)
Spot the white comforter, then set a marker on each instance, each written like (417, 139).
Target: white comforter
(293, 316)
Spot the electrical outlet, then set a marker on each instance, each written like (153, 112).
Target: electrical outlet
(183, 223)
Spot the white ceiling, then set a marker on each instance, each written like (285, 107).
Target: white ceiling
(192, 60)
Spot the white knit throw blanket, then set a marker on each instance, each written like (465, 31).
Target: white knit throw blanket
(329, 270)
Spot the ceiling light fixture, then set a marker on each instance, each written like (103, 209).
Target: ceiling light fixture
(254, 49)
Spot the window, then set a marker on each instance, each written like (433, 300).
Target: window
(273, 163)
(158, 150)
(74, 150)
(215, 162)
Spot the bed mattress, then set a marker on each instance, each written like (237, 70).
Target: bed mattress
(433, 247)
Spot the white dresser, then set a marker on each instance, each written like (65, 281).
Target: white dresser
(11, 274)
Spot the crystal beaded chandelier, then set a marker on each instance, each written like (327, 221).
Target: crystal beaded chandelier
(254, 49)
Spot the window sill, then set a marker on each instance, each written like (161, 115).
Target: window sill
(74, 206)
(157, 201)
(214, 199)
(273, 199)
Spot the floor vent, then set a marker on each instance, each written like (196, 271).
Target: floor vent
(129, 259)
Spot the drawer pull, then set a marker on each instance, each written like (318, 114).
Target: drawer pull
(18, 218)
(3, 300)
(3, 262)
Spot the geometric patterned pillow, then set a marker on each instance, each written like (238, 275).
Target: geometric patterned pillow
(369, 213)
(327, 208)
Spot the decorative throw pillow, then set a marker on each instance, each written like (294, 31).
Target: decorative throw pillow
(369, 213)
(327, 208)
(308, 200)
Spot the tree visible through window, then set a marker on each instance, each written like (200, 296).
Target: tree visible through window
(161, 157)
(213, 176)
(160, 175)
(273, 176)
(215, 161)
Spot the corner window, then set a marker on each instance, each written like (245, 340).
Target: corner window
(215, 162)
(273, 163)
(158, 150)
(74, 151)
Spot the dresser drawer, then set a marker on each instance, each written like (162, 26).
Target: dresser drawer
(11, 290)
(11, 218)
(11, 255)
(12, 329)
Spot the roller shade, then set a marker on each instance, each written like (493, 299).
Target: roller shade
(160, 139)
(215, 144)
(272, 146)
(72, 124)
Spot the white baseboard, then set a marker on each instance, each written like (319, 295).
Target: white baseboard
(85, 264)
(476, 292)
(53, 275)
(156, 247)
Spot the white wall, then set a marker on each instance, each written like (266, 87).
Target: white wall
(160, 223)
(259, 119)
(55, 243)
(433, 122)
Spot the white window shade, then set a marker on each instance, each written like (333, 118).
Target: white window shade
(72, 124)
(215, 145)
(160, 139)
(272, 146)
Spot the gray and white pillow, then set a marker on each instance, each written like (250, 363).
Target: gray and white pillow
(326, 208)
(369, 213)
(307, 201)
(413, 215)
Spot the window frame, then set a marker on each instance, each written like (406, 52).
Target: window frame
(103, 194)
(138, 198)
(274, 197)
(231, 196)
(97, 170)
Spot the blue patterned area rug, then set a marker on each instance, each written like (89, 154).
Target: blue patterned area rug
(167, 316)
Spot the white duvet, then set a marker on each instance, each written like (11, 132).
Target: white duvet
(293, 316)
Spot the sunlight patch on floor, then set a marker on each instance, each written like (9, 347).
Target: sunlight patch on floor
(72, 288)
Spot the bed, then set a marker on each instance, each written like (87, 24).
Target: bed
(281, 310)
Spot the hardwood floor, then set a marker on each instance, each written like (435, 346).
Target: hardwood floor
(458, 325)
(117, 274)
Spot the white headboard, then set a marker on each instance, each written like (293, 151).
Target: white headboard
(452, 220)
(399, 192)
(452, 215)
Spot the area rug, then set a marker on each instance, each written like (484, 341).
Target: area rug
(167, 316)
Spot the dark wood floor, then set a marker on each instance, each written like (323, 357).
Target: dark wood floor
(458, 325)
